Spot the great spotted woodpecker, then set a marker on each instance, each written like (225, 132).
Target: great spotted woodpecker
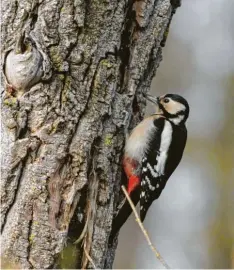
(152, 153)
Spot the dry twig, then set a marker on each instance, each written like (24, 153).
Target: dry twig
(159, 257)
(88, 257)
(84, 231)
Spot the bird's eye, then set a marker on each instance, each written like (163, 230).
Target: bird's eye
(166, 100)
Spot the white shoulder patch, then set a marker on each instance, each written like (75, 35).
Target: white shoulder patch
(166, 138)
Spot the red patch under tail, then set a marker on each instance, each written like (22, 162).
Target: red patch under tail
(133, 182)
(130, 166)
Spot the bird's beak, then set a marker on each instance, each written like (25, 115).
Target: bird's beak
(153, 99)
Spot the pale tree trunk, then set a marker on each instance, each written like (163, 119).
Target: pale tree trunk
(74, 74)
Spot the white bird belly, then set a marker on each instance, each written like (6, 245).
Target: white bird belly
(138, 141)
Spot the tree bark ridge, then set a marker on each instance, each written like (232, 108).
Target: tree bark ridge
(98, 59)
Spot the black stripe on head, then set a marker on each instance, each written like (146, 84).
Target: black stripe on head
(166, 113)
(179, 99)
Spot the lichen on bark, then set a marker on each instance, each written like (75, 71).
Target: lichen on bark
(63, 138)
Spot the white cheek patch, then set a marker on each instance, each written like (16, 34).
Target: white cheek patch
(173, 107)
(182, 107)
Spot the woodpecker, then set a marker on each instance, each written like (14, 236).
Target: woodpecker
(152, 153)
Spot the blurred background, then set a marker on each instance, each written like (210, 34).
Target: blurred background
(192, 223)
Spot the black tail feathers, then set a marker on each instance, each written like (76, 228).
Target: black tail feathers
(143, 210)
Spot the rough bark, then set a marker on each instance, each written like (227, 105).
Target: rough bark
(64, 119)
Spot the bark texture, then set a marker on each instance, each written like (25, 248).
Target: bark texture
(74, 72)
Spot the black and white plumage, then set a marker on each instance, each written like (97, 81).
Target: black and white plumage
(152, 152)
(164, 154)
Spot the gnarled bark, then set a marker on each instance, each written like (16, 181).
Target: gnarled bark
(63, 129)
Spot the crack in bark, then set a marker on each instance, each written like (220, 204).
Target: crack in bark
(33, 14)
(30, 239)
(124, 50)
(91, 207)
(13, 200)
(22, 132)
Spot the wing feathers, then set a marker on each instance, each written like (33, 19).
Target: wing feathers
(153, 180)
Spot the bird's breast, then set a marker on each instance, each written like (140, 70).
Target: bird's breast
(138, 141)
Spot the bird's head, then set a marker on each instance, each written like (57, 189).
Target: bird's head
(173, 107)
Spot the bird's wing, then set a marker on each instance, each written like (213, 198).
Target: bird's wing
(153, 179)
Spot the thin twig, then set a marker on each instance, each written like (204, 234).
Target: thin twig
(89, 258)
(159, 257)
(84, 231)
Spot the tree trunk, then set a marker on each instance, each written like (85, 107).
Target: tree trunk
(74, 76)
